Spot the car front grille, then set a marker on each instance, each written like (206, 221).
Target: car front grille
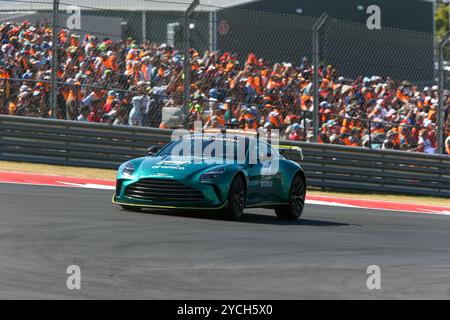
(161, 190)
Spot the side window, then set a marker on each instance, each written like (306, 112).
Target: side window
(267, 153)
(276, 154)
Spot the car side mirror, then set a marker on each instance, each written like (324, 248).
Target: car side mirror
(153, 150)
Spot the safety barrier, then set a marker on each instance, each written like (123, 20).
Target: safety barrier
(328, 166)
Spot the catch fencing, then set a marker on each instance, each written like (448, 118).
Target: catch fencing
(106, 44)
(326, 166)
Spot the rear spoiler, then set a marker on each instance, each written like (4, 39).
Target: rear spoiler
(293, 150)
(249, 133)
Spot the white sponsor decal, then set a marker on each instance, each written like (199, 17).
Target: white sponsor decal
(169, 167)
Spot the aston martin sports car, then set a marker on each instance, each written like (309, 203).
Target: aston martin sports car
(214, 172)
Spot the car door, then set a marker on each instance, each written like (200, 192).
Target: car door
(264, 176)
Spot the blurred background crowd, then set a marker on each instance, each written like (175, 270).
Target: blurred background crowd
(131, 83)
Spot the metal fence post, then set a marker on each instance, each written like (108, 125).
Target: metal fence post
(68, 116)
(187, 62)
(144, 25)
(316, 60)
(440, 113)
(213, 30)
(54, 87)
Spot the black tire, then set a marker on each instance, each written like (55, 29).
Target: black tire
(297, 194)
(236, 199)
(131, 208)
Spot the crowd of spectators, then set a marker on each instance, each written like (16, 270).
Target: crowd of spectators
(127, 83)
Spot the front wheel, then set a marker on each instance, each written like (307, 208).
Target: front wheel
(294, 209)
(236, 199)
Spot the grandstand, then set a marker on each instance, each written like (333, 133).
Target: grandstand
(254, 79)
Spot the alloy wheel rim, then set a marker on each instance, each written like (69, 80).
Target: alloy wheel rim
(298, 196)
(238, 198)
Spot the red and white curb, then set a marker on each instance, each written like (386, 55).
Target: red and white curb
(54, 180)
(71, 182)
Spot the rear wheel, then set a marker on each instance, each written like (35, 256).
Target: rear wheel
(294, 209)
(236, 199)
(131, 208)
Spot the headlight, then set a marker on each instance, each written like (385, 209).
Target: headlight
(211, 175)
(128, 170)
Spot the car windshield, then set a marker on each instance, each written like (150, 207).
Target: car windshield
(218, 148)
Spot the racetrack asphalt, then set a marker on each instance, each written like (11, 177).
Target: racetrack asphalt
(172, 255)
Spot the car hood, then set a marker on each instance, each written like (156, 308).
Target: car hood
(176, 167)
